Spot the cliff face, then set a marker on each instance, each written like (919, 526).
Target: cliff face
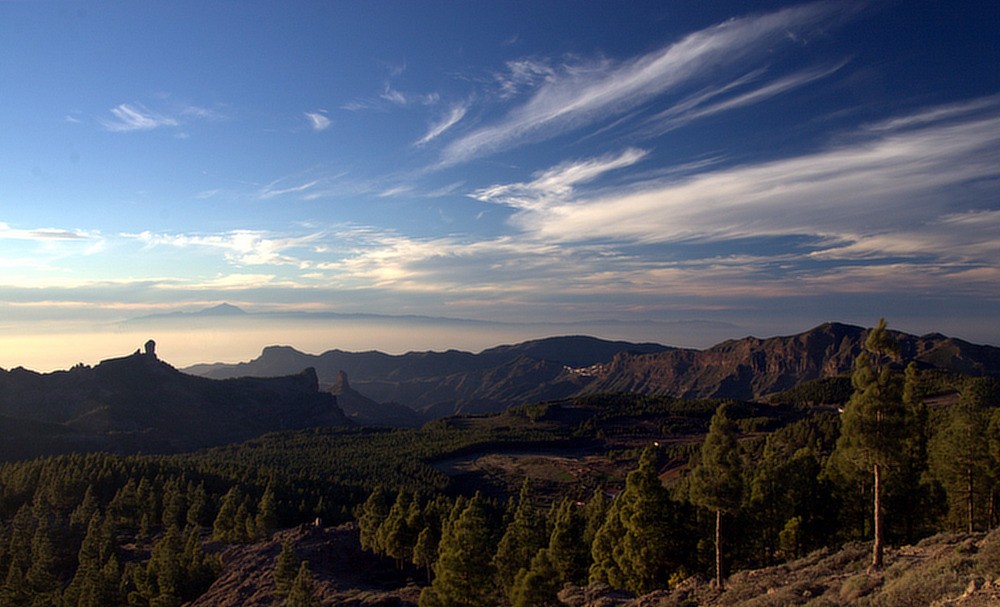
(751, 367)
(140, 403)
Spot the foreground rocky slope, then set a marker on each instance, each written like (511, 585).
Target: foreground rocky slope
(948, 570)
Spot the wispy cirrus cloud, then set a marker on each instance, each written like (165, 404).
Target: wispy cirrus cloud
(128, 117)
(881, 182)
(318, 120)
(556, 184)
(134, 117)
(523, 74)
(582, 94)
(454, 115)
(275, 188)
(730, 96)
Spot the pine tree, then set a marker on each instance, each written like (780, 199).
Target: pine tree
(993, 443)
(41, 574)
(525, 535)
(395, 537)
(568, 553)
(716, 482)
(286, 567)
(960, 455)
(199, 569)
(594, 512)
(266, 520)
(463, 573)
(641, 542)
(425, 552)
(303, 590)
(197, 511)
(86, 509)
(244, 526)
(873, 424)
(537, 585)
(606, 551)
(913, 493)
(174, 504)
(16, 592)
(164, 571)
(371, 515)
(95, 550)
(226, 527)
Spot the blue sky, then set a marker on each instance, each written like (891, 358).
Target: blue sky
(766, 166)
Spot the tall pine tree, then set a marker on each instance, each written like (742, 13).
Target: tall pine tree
(873, 425)
(716, 483)
(960, 456)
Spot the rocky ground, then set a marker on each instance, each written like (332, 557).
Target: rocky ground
(947, 570)
(345, 575)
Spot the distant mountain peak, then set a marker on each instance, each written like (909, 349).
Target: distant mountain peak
(223, 309)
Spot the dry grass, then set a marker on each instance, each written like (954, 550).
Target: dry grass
(946, 570)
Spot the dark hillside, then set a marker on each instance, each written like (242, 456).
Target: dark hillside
(141, 403)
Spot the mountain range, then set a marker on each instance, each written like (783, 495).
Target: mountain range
(437, 384)
(141, 403)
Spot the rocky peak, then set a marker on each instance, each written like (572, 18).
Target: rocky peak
(340, 384)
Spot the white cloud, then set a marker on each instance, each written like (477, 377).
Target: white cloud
(392, 95)
(129, 117)
(41, 234)
(227, 282)
(523, 74)
(579, 95)
(697, 106)
(556, 184)
(272, 189)
(891, 183)
(244, 247)
(454, 115)
(318, 120)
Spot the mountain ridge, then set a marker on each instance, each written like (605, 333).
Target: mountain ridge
(140, 403)
(445, 383)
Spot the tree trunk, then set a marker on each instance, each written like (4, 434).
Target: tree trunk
(993, 509)
(877, 544)
(971, 501)
(718, 551)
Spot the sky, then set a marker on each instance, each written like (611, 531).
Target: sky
(670, 171)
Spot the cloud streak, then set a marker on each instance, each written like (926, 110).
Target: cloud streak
(900, 179)
(41, 234)
(454, 115)
(556, 184)
(131, 117)
(586, 94)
